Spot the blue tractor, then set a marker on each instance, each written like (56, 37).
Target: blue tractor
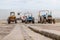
(29, 18)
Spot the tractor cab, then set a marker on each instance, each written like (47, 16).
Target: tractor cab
(12, 13)
(12, 16)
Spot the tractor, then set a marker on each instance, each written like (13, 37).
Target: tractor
(12, 18)
(18, 16)
(50, 19)
(28, 18)
(23, 18)
(46, 18)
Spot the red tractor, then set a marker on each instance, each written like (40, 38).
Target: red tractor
(28, 18)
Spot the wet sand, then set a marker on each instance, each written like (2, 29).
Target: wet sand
(11, 29)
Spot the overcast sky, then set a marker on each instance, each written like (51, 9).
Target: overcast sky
(31, 5)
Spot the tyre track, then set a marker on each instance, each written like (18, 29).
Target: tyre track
(34, 35)
(25, 34)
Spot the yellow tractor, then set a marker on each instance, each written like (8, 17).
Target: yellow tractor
(12, 18)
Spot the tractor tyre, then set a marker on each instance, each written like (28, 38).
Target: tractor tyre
(26, 22)
(33, 22)
(8, 21)
(50, 21)
(15, 21)
(38, 21)
(53, 21)
(22, 21)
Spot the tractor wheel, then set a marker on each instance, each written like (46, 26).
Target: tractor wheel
(50, 21)
(8, 21)
(38, 21)
(53, 21)
(26, 22)
(15, 21)
(22, 21)
(33, 21)
(29, 21)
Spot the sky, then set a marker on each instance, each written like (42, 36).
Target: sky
(32, 5)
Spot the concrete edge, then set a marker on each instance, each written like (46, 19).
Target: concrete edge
(47, 34)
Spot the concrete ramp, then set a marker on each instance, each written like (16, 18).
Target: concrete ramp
(16, 34)
(48, 33)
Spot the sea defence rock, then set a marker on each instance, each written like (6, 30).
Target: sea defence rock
(48, 33)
